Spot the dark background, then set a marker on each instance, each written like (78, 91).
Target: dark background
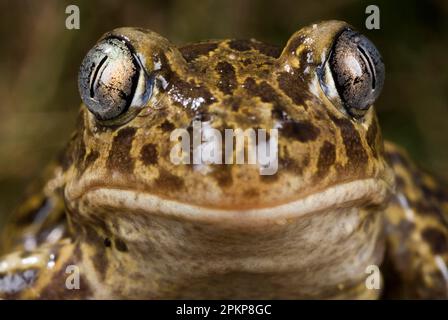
(39, 60)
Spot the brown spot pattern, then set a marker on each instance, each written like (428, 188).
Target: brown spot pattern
(119, 155)
(269, 178)
(436, 239)
(303, 131)
(227, 78)
(356, 155)
(240, 45)
(252, 193)
(169, 182)
(371, 137)
(167, 126)
(290, 164)
(80, 152)
(294, 86)
(148, 154)
(189, 94)
(266, 49)
(327, 157)
(263, 90)
(223, 176)
(246, 45)
(193, 51)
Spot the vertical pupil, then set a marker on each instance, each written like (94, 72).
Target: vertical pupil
(109, 79)
(370, 65)
(94, 79)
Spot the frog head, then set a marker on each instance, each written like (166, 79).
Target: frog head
(314, 100)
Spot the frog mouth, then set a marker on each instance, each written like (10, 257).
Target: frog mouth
(358, 193)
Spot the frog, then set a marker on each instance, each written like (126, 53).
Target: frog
(347, 215)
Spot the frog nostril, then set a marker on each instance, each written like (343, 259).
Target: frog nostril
(121, 245)
(107, 242)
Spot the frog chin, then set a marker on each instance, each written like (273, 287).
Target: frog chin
(354, 194)
(247, 254)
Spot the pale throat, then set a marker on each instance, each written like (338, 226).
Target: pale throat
(318, 254)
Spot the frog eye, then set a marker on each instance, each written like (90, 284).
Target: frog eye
(354, 73)
(112, 79)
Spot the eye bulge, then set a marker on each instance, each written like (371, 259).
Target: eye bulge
(357, 71)
(110, 79)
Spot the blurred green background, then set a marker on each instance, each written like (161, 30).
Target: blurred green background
(39, 60)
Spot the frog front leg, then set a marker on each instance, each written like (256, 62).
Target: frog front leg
(38, 259)
(49, 272)
(40, 217)
(417, 233)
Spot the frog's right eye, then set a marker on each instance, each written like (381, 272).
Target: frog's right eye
(353, 75)
(112, 80)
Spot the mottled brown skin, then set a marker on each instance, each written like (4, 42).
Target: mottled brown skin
(139, 226)
(417, 232)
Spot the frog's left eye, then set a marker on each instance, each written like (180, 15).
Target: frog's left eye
(353, 74)
(112, 80)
